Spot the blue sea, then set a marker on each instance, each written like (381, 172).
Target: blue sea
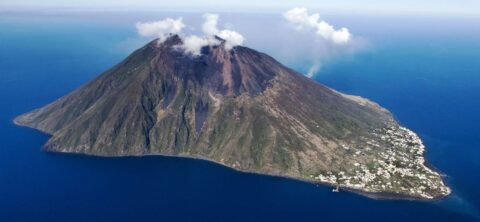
(426, 71)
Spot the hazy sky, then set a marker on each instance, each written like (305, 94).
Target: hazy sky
(463, 8)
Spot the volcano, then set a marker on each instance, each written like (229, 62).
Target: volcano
(243, 109)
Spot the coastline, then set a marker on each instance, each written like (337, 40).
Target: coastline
(372, 195)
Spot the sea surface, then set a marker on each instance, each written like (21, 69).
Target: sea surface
(425, 70)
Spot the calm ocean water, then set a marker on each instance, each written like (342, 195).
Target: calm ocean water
(427, 73)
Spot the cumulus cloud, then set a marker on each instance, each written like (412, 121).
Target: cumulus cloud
(160, 29)
(300, 18)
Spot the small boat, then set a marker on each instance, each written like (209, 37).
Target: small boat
(336, 189)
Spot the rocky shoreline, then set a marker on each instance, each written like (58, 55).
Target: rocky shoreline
(373, 195)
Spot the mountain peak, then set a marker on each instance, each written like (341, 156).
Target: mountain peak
(225, 71)
(174, 41)
(170, 41)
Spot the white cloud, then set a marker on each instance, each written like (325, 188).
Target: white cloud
(160, 29)
(303, 21)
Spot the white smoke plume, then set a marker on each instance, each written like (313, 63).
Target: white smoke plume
(192, 44)
(313, 69)
(160, 29)
(300, 18)
(209, 26)
(210, 29)
(328, 41)
(232, 38)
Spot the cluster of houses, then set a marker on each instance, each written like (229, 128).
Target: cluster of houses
(398, 166)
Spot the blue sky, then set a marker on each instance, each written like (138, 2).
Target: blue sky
(464, 8)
